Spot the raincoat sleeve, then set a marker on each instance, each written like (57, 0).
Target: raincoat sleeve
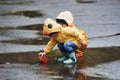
(79, 36)
(50, 45)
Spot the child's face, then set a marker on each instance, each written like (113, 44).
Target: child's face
(62, 22)
(63, 25)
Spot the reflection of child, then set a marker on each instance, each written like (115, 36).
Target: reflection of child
(71, 72)
(65, 19)
(68, 40)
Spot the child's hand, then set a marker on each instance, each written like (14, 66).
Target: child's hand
(42, 54)
(84, 44)
(42, 57)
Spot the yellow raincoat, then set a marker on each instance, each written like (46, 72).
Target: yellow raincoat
(67, 16)
(63, 35)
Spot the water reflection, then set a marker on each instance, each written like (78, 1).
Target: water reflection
(94, 65)
(63, 72)
(30, 14)
(21, 72)
(85, 1)
(20, 38)
(69, 72)
(107, 70)
(58, 71)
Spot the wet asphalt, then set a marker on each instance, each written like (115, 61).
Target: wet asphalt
(21, 39)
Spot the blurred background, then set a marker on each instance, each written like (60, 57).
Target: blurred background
(21, 35)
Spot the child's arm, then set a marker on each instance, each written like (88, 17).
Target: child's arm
(50, 45)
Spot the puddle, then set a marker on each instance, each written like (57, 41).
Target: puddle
(95, 62)
(31, 14)
(39, 41)
(21, 40)
(22, 72)
(22, 57)
(38, 27)
(32, 27)
(85, 1)
(106, 70)
(15, 2)
(101, 55)
(29, 34)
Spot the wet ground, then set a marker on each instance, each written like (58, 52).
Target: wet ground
(21, 39)
(97, 64)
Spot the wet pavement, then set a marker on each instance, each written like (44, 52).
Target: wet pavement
(21, 39)
(97, 64)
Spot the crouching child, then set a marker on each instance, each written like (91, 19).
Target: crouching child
(67, 39)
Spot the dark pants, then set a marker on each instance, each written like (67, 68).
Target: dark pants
(67, 47)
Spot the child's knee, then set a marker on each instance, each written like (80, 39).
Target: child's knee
(69, 46)
(60, 45)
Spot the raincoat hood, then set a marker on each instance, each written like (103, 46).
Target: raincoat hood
(67, 16)
(50, 26)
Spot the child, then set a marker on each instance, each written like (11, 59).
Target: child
(68, 40)
(65, 19)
